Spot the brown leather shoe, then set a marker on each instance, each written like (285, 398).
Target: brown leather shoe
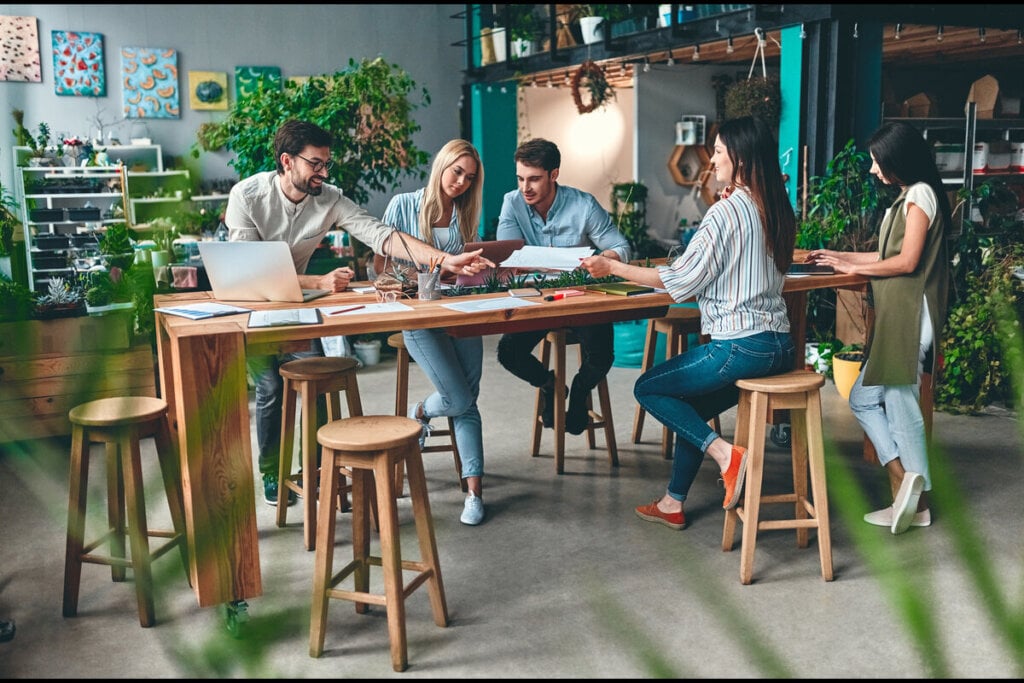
(651, 513)
(733, 477)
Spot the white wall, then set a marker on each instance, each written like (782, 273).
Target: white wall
(630, 139)
(300, 39)
(597, 147)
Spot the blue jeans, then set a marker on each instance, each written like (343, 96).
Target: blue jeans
(891, 416)
(687, 390)
(454, 366)
(266, 374)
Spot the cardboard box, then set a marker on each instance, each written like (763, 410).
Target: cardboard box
(921, 105)
(985, 93)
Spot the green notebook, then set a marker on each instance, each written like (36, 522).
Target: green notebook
(621, 288)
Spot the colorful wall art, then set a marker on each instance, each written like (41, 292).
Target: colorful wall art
(78, 68)
(150, 83)
(246, 78)
(208, 90)
(19, 50)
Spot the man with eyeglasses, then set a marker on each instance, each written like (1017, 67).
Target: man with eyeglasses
(296, 204)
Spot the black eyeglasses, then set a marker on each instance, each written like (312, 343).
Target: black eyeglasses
(318, 165)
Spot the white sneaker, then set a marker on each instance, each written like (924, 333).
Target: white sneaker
(424, 421)
(904, 506)
(473, 511)
(883, 517)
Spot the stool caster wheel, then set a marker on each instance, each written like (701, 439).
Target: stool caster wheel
(236, 616)
(780, 435)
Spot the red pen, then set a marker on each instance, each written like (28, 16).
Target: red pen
(563, 293)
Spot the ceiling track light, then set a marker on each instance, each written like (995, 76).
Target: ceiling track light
(622, 68)
(855, 33)
(803, 32)
(647, 65)
(938, 33)
(671, 61)
(729, 49)
(568, 79)
(898, 32)
(981, 34)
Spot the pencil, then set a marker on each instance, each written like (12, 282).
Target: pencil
(346, 310)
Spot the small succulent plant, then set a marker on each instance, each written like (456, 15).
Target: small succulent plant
(60, 293)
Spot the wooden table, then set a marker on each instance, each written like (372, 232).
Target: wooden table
(203, 380)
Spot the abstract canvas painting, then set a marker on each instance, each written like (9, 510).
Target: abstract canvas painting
(19, 50)
(149, 79)
(208, 90)
(78, 64)
(246, 78)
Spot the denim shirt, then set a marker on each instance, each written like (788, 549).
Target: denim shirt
(575, 219)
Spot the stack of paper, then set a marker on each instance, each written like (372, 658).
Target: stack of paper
(548, 258)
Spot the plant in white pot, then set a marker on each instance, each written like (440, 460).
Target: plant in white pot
(367, 349)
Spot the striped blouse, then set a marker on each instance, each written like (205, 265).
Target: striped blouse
(403, 212)
(729, 269)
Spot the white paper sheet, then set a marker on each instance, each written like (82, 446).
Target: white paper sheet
(366, 308)
(550, 258)
(477, 305)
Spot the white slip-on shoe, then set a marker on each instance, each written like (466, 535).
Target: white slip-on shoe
(473, 511)
(904, 506)
(883, 517)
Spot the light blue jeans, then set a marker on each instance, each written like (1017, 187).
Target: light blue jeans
(687, 390)
(454, 366)
(890, 414)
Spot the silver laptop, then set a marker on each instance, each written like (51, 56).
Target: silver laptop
(254, 271)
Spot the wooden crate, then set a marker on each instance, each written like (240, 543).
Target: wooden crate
(77, 360)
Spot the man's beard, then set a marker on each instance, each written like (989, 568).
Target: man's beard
(305, 186)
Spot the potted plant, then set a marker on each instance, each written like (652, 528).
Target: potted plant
(62, 299)
(525, 28)
(758, 96)
(40, 153)
(629, 212)
(8, 224)
(16, 300)
(846, 364)
(116, 246)
(367, 349)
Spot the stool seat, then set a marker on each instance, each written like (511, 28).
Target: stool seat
(120, 423)
(798, 392)
(306, 379)
(397, 342)
(373, 448)
(555, 342)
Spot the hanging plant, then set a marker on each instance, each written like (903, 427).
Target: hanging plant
(758, 96)
(590, 88)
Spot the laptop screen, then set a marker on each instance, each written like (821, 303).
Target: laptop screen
(252, 271)
(495, 251)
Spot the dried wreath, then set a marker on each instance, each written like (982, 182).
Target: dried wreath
(591, 77)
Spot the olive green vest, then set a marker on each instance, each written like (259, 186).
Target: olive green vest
(892, 348)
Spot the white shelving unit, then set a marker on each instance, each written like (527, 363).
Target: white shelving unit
(64, 209)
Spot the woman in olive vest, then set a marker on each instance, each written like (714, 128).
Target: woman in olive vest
(909, 286)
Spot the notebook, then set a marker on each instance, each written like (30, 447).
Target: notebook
(621, 288)
(495, 251)
(254, 271)
(809, 269)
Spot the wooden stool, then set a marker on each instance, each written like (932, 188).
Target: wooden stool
(677, 326)
(797, 392)
(397, 342)
(308, 378)
(120, 423)
(557, 340)
(371, 447)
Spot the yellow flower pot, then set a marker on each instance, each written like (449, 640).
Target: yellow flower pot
(845, 371)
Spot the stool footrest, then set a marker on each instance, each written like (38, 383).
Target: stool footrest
(423, 569)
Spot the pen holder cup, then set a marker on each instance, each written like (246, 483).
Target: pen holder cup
(427, 286)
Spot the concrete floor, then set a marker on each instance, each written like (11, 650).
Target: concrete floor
(562, 580)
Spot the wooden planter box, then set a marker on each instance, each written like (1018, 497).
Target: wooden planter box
(47, 367)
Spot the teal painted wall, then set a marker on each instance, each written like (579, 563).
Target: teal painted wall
(791, 79)
(495, 137)
(867, 105)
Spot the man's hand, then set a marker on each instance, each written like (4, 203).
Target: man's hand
(467, 263)
(337, 280)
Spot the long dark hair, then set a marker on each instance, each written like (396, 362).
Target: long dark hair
(753, 152)
(904, 158)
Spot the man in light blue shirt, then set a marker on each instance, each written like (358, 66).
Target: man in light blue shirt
(546, 214)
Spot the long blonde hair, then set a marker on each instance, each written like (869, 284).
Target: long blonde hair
(467, 205)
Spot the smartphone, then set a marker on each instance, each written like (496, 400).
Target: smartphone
(524, 291)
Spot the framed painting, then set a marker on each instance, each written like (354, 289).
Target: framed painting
(247, 78)
(19, 50)
(149, 78)
(78, 64)
(208, 90)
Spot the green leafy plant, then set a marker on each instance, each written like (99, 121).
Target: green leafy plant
(758, 96)
(16, 300)
(524, 23)
(629, 212)
(38, 142)
(367, 108)
(8, 222)
(976, 242)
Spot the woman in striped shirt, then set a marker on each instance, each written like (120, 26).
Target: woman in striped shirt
(734, 266)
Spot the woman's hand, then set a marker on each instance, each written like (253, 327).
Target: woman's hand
(597, 266)
(841, 262)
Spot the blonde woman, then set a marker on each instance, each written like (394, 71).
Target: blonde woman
(446, 215)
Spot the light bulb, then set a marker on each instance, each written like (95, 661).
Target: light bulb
(938, 33)
(981, 34)
(647, 66)
(899, 30)
(729, 49)
(696, 52)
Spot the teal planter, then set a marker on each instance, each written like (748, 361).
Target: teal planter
(630, 336)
